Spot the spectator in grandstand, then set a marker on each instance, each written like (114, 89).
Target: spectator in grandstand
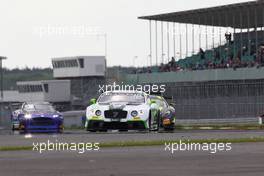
(252, 48)
(217, 54)
(202, 54)
(228, 37)
(239, 55)
(260, 55)
(244, 50)
(237, 62)
(172, 63)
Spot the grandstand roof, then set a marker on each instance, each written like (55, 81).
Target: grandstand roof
(225, 16)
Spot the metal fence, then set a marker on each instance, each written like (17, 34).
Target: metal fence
(5, 114)
(216, 100)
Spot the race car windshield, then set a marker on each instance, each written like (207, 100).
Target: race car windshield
(117, 97)
(39, 107)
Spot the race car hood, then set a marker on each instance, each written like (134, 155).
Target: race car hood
(120, 106)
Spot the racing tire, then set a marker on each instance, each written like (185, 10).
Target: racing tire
(22, 132)
(158, 121)
(122, 131)
(169, 129)
(149, 122)
(103, 131)
(90, 130)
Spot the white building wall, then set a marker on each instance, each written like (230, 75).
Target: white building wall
(93, 66)
(34, 96)
(59, 91)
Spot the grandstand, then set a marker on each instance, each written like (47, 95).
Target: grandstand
(235, 41)
(219, 75)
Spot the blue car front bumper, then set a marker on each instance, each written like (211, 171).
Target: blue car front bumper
(41, 125)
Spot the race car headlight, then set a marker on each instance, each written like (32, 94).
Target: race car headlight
(134, 113)
(56, 116)
(28, 116)
(98, 113)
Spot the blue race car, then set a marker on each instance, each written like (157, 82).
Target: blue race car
(37, 117)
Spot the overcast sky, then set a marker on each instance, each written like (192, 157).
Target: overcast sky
(34, 31)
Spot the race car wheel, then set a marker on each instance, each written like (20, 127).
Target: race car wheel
(149, 121)
(157, 124)
(90, 130)
(170, 128)
(123, 131)
(22, 132)
(103, 131)
(60, 131)
(158, 121)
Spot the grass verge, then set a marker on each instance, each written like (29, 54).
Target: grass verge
(220, 127)
(149, 143)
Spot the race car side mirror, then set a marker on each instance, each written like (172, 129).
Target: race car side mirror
(93, 101)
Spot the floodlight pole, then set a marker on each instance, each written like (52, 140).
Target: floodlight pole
(186, 25)
(220, 34)
(226, 26)
(200, 35)
(234, 43)
(174, 40)
(150, 44)
(2, 81)
(180, 40)
(168, 40)
(134, 61)
(248, 31)
(213, 32)
(162, 42)
(192, 37)
(206, 34)
(105, 35)
(241, 35)
(262, 21)
(256, 30)
(2, 86)
(156, 35)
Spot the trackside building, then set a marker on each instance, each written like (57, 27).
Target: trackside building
(85, 73)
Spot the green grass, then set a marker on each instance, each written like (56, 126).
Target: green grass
(198, 127)
(149, 143)
(221, 126)
(16, 148)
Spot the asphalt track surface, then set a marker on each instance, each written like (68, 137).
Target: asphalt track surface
(7, 138)
(244, 160)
